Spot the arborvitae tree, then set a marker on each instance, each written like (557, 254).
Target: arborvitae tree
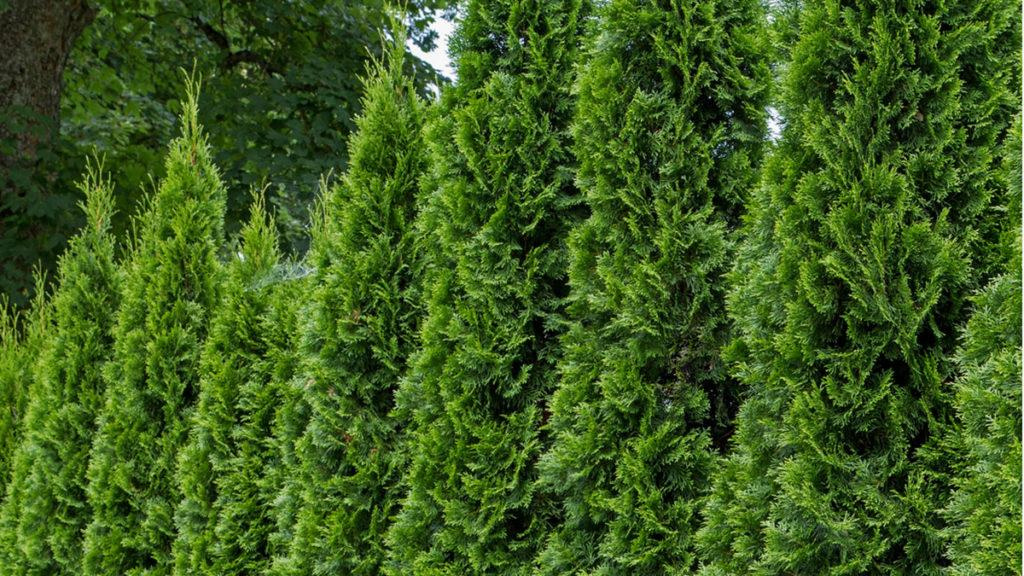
(292, 319)
(870, 230)
(226, 453)
(669, 131)
(170, 287)
(364, 316)
(247, 518)
(501, 202)
(22, 336)
(45, 509)
(986, 508)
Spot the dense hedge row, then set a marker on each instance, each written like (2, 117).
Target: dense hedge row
(580, 316)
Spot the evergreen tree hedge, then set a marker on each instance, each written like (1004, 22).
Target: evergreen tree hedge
(171, 285)
(45, 508)
(985, 536)
(669, 131)
(861, 248)
(22, 337)
(364, 315)
(223, 520)
(500, 203)
(248, 492)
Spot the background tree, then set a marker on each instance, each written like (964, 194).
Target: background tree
(282, 90)
(870, 230)
(985, 510)
(216, 466)
(500, 203)
(37, 39)
(365, 315)
(172, 283)
(669, 133)
(45, 508)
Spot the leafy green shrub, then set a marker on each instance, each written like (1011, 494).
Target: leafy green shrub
(364, 315)
(669, 133)
(986, 507)
(861, 248)
(218, 467)
(45, 508)
(500, 202)
(172, 283)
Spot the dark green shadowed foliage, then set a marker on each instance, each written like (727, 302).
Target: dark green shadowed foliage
(364, 315)
(223, 522)
(872, 227)
(500, 203)
(45, 509)
(669, 132)
(171, 285)
(985, 512)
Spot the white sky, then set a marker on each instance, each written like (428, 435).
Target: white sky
(438, 57)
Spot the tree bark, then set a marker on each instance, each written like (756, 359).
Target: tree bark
(36, 37)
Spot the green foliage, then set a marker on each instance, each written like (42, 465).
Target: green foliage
(861, 247)
(985, 512)
(669, 130)
(247, 493)
(364, 316)
(45, 509)
(172, 283)
(22, 336)
(226, 448)
(281, 93)
(500, 203)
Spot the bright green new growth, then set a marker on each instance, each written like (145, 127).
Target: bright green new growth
(985, 536)
(22, 337)
(170, 287)
(45, 509)
(222, 520)
(364, 326)
(669, 130)
(500, 203)
(860, 251)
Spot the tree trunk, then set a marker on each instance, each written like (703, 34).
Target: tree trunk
(36, 39)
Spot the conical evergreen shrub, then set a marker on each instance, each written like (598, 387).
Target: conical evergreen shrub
(281, 485)
(45, 508)
(249, 491)
(985, 512)
(22, 337)
(501, 201)
(861, 248)
(171, 286)
(669, 132)
(364, 315)
(222, 520)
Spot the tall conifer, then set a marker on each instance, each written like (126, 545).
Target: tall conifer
(45, 509)
(248, 495)
(669, 132)
(171, 285)
(227, 452)
(22, 337)
(871, 228)
(364, 313)
(501, 202)
(985, 535)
